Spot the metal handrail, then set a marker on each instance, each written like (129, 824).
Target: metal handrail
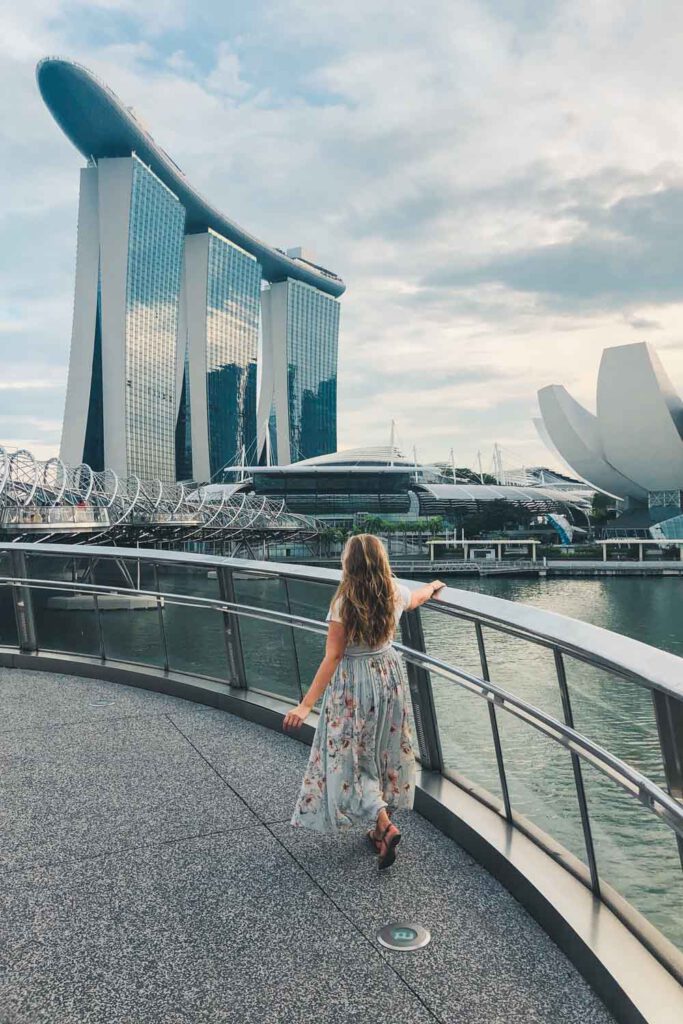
(613, 652)
(632, 781)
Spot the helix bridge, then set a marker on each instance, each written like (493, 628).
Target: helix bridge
(45, 501)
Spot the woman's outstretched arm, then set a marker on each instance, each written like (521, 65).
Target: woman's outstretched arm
(334, 652)
(424, 593)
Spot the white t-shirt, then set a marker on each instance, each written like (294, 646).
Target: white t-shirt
(402, 601)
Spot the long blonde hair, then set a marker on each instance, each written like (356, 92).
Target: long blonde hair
(366, 593)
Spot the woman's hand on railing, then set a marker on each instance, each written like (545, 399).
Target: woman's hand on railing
(294, 718)
(425, 593)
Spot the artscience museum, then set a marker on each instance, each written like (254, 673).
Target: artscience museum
(632, 446)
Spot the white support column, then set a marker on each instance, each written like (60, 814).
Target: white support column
(604, 552)
(115, 186)
(194, 296)
(264, 402)
(274, 380)
(84, 317)
(182, 342)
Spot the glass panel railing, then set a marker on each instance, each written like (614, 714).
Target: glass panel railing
(123, 573)
(525, 669)
(195, 637)
(311, 600)
(8, 622)
(541, 783)
(465, 734)
(637, 854)
(65, 619)
(618, 714)
(268, 651)
(463, 718)
(130, 623)
(451, 640)
(132, 634)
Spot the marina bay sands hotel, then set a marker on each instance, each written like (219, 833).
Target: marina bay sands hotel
(173, 304)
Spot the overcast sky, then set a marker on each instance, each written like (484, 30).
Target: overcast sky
(499, 182)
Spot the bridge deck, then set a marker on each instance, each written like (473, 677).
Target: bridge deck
(149, 874)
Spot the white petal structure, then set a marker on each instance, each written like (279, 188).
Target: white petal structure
(634, 445)
(641, 417)
(575, 434)
(542, 431)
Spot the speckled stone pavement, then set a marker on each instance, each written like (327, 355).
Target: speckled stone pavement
(149, 875)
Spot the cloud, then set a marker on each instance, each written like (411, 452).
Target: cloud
(225, 77)
(624, 253)
(500, 185)
(641, 323)
(28, 385)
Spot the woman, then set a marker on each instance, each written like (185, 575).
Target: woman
(362, 764)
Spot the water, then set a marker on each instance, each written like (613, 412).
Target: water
(635, 852)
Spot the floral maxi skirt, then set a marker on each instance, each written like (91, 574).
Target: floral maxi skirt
(362, 755)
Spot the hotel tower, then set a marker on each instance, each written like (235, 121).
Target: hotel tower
(174, 306)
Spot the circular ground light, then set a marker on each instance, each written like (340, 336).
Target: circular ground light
(403, 936)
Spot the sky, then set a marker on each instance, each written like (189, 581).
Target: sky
(499, 183)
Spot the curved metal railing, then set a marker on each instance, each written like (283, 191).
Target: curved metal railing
(39, 584)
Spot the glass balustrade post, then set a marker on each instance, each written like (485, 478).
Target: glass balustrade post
(669, 718)
(23, 604)
(231, 627)
(419, 680)
(578, 775)
(494, 724)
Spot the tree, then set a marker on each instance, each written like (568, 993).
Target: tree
(603, 506)
(435, 524)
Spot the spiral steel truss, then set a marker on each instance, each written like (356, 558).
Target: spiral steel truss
(50, 500)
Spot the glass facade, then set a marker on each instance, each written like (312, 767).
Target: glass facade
(669, 529)
(155, 250)
(312, 341)
(272, 435)
(183, 430)
(324, 494)
(93, 448)
(232, 324)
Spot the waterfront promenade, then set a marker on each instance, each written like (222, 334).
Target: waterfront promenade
(564, 567)
(150, 874)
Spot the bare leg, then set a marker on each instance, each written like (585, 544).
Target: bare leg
(382, 821)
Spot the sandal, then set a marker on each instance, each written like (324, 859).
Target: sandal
(372, 836)
(390, 856)
(373, 839)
